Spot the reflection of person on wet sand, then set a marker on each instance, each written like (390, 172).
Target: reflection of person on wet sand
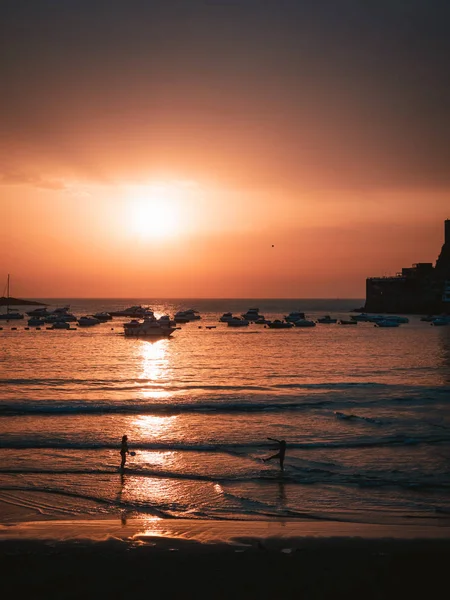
(124, 451)
(280, 454)
(281, 492)
(122, 484)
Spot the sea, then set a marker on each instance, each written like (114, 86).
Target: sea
(364, 411)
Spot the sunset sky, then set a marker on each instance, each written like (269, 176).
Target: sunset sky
(221, 148)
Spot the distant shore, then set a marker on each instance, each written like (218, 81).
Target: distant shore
(217, 559)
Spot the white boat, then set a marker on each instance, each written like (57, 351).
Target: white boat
(9, 314)
(387, 323)
(226, 317)
(87, 321)
(376, 318)
(397, 319)
(67, 317)
(304, 323)
(62, 310)
(278, 324)
(294, 316)
(238, 322)
(147, 328)
(38, 312)
(440, 321)
(326, 320)
(36, 322)
(186, 316)
(136, 310)
(252, 314)
(166, 321)
(393, 318)
(61, 325)
(364, 317)
(103, 316)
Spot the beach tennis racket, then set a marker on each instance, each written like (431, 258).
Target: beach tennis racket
(132, 453)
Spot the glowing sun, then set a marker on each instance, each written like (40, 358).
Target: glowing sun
(154, 214)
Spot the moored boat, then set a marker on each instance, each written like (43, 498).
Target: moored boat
(397, 319)
(87, 321)
(278, 324)
(186, 316)
(10, 314)
(364, 317)
(147, 328)
(166, 321)
(387, 323)
(440, 321)
(304, 323)
(226, 317)
(295, 315)
(137, 310)
(35, 322)
(103, 316)
(326, 320)
(238, 322)
(61, 325)
(38, 312)
(252, 315)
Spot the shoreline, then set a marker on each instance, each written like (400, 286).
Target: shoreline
(222, 559)
(152, 530)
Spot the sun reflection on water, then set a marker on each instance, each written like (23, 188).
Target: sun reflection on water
(154, 426)
(155, 367)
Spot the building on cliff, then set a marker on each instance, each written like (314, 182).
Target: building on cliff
(420, 289)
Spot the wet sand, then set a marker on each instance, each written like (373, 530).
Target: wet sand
(184, 559)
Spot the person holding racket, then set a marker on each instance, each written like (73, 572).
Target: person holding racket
(124, 451)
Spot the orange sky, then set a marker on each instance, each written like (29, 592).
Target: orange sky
(161, 148)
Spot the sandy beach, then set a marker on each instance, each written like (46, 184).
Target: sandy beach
(217, 559)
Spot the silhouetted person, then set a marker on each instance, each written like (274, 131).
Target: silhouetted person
(124, 451)
(280, 454)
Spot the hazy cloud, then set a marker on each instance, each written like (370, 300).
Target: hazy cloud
(312, 94)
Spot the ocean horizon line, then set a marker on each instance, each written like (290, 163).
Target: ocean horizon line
(193, 298)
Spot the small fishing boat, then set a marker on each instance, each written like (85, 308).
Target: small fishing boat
(440, 321)
(226, 317)
(304, 323)
(35, 322)
(60, 325)
(252, 315)
(9, 314)
(87, 321)
(326, 320)
(136, 310)
(387, 323)
(278, 324)
(186, 316)
(238, 322)
(103, 316)
(294, 316)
